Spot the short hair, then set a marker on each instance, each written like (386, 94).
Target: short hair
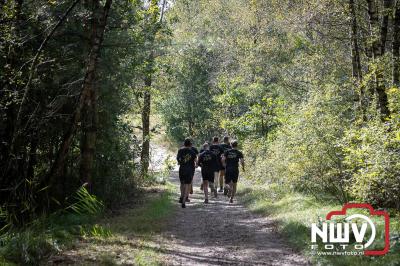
(234, 143)
(187, 142)
(215, 139)
(226, 139)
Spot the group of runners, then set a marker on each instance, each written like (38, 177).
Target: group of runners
(219, 163)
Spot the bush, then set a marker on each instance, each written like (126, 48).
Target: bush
(29, 247)
(304, 153)
(373, 161)
(47, 235)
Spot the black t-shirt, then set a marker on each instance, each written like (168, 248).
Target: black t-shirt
(225, 147)
(195, 150)
(207, 161)
(186, 157)
(232, 157)
(217, 150)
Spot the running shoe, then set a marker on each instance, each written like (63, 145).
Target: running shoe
(220, 190)
(206, 201)
(183, 205)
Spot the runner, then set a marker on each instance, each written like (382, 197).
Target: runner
(231, 160)
(218, 151)
(207, 161)
(191, 185)
(201, 151)
(187, 161)
(225, 146)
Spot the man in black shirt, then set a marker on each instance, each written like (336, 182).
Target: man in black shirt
(225, 146)
(191, 185)
(187, 160)
(207, 161)
(231, 159)
(218, 151)
(201, 151)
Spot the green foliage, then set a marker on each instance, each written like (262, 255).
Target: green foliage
(372, 159)
(29, 247)
(86, 203)
(187, 109)
(302, 153)
(282, 85)
(48, 235)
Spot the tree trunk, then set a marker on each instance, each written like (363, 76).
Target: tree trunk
(86, 102)
(382, 99)
(387, 4)
(146, 108)
(88, 138)
(145, 153)
(190, 127)
(396, 46)
(356, 61)
(89, 110)
(374, 27)
(355, 50)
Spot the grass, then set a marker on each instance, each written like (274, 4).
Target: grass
(125, 236)
(133, 232)
(294, 213)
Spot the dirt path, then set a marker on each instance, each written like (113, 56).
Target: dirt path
(222, 234)
(215, 234)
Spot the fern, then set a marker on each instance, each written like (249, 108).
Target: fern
(86, 203)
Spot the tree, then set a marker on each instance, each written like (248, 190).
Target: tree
(378, 32)
(396, 46)
(188, 106)
(152, 26)
(86, 109)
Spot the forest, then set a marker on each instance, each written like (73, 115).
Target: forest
(309, 88)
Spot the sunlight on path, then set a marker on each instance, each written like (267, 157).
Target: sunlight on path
(222, 234)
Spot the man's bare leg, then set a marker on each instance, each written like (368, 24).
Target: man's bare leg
(182, 192)
(233, 191)
(230, 193)
(186, 189)
(216, 176)
(205, 188)
(221, 180)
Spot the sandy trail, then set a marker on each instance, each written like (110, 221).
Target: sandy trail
(221, 233)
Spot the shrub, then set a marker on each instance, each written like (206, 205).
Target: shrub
(304, 153)
(373, 160)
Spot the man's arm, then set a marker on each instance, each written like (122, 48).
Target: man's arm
(196, 161)
(178, 157)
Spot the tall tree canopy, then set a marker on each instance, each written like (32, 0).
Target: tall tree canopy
(310, 89)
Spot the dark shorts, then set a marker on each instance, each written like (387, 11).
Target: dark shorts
(208, 176)
(185, 175)
(231, 175)
(218, 166)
